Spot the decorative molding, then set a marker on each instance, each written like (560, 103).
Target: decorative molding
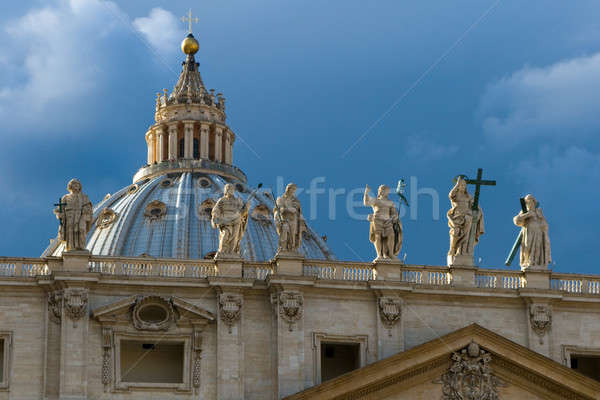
(197, 348)
(230, 308)
(540, 317)
(470, 376)
(106, 218)
(107, 346)
(290, 306)
(161, 304)
(75, 304)
(390, 311)
(6, 361)
(55, 302)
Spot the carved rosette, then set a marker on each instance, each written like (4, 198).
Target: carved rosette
(470, 376)
(291, 307)
(390, 311)
(75, 304)
(152, 313)
(540, 317)
(55, 301)
(230, 308)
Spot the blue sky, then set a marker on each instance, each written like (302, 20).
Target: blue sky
(509, 86)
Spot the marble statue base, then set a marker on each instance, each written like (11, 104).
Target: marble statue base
(461, 259)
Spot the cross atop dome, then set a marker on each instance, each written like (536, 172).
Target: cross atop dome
(189, 19)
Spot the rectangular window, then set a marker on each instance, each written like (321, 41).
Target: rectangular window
(5, 359)
(338, 358)
(149, 362)
(587, 365)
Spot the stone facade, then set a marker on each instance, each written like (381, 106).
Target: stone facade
(268, 346)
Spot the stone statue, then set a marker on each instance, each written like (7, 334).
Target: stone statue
(289, 221)
(535, 243)
(230, 216)
(460, 221)
(75, 214)
(386, 229)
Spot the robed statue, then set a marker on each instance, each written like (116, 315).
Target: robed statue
(385, 226)
(460, 222)
(535, 243)
(75, 213)
(230, 216)
(289, 221)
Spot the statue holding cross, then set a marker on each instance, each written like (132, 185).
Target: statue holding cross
(465, 219)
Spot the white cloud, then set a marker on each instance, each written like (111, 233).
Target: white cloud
(423, 148)
(54, 58)
(554, 102)
(161, 28)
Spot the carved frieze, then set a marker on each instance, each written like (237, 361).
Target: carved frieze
(75, 304)
(107, 344)
(470, 376)
(197, 345)
(291, 307)
(540, 317)
(390, 311)
(230, 308)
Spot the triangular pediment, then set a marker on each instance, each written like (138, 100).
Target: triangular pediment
(423, 371)
(124, 310)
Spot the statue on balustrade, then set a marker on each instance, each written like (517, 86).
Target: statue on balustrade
(535, 243)
(75, 213)
(289, 221)
(460, 221)
(230, 216)
(385, 226)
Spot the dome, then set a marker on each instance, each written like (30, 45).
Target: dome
(166, 212)
(168, 216)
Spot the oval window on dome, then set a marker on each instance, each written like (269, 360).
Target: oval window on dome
(155, 210)
(204, 182)
(166, 183)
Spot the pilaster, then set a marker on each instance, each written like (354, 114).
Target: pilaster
(161, 144)
(73, 344)
(288, 317)
(227, 157)
(289, 264)
(390, 332)
(188, 139)
(230, 349)
(218, 144)
(150, 143)
(172, 141)
(204, 129)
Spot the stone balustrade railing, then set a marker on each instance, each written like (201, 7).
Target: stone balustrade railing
(23, 267)
(137, 266)
(317, 269)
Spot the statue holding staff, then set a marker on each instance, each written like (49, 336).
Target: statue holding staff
(289, 221)
(75, 213)
(535, 243)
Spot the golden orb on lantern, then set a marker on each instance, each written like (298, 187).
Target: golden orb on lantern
(189, 45)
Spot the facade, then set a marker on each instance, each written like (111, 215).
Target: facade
(157, 306)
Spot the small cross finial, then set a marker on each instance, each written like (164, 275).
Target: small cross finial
(189, 19)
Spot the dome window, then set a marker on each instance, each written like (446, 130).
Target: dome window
(210, 255)
(106, 218)
(132, 189)
(261, 213)
(166, 183)
(204, 182)
(205, 209)
(155, 210)
(239, 187)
